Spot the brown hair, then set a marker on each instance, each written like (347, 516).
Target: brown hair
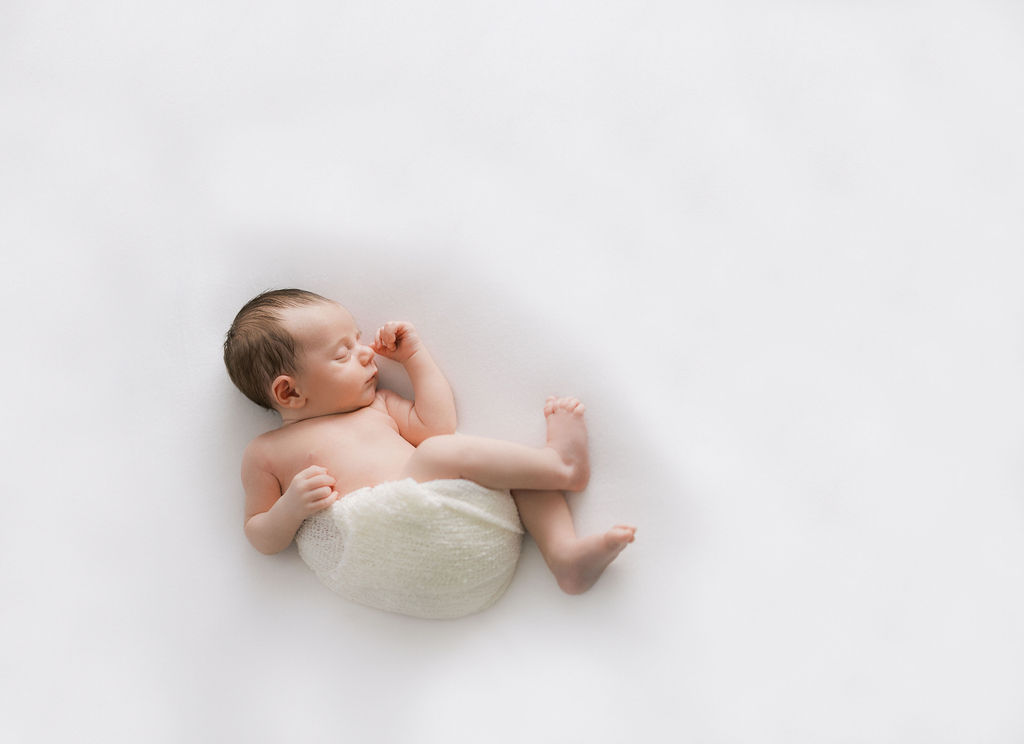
(258, 348)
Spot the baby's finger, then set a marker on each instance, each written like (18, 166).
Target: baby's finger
(319, 494)
(311, 472)
(314, 471)
(319, 481)
(325, 502)
(382, 343)
(329, 498)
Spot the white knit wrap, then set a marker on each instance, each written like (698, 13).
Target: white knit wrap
(441, 549)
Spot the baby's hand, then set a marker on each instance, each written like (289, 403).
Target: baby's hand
(311, 490)
(397, 341)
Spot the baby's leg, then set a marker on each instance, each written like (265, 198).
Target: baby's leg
(563, 464)
(577, 563)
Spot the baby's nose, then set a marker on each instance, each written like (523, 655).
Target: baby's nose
(365, 353)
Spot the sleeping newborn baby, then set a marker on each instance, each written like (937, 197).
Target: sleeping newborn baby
(388, 505)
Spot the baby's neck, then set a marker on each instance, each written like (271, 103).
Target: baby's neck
(299, 417)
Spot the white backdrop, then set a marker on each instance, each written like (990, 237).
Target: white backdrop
(775, 247)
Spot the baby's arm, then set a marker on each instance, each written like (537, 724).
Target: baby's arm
(273, 518)
(433, 409)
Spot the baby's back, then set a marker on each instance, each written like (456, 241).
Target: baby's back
(361, 448)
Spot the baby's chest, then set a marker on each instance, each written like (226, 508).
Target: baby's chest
(361, 453)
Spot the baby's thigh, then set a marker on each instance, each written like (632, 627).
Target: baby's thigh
(438, 457)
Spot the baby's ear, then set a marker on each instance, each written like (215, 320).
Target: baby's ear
(284, 394)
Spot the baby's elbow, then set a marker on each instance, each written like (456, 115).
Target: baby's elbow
(259, 541)
(429, 432)
(450, 422)
(264, 549)
(435, 427)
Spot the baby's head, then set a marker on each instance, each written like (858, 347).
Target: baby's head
(293, 349)
(258, 347)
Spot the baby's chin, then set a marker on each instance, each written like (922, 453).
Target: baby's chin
(370, 391)
(349, 406)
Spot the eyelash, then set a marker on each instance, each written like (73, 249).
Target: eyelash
(347, 354)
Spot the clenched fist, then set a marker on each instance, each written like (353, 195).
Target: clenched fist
(311, 490)
(396, 340)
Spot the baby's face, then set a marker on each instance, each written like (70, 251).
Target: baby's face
(336, 372)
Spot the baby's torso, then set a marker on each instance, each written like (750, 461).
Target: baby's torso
(361, 448)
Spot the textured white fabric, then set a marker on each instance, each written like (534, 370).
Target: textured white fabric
(441, 549)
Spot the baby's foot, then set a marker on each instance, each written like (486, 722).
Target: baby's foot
(582, 565)
(567, 435)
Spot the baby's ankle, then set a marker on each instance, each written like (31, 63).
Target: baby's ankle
(579, 564)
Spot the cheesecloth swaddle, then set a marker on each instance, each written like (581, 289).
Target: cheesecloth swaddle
(440, 549)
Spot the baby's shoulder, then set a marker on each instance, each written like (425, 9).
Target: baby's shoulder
(258, 453)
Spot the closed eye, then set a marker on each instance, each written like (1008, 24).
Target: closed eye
(346, 349)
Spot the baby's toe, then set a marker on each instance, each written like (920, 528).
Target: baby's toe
(568, 405)
(572, 405)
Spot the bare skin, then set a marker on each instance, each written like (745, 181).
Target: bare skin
(340, 433)
(561, 465)
(577, 563)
